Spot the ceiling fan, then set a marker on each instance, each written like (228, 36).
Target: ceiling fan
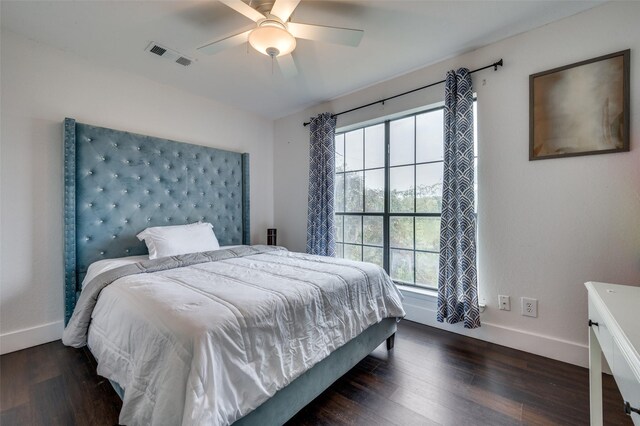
(275, 36)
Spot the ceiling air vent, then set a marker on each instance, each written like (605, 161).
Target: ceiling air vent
(157, 50)
(183, 61)
(168, 54)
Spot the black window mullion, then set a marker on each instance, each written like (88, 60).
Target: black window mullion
(414, 246)
(416, 164)
(343, 234)
(361, 213)
(415, 178)
(344, 190)
(362, 237)
(416, 214)
(415, 191)
(387, 196)
(364, 182)
(427, 251)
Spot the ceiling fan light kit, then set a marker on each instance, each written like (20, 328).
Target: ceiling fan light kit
(272, 39)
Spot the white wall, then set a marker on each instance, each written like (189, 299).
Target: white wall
(40, 87)
(545, 227)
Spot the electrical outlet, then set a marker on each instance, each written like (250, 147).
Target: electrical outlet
(529, 307)
(504, 302)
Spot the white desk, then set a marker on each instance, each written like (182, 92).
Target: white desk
(614, 319)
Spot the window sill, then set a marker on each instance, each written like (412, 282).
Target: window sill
(426, 294)
(413, 291)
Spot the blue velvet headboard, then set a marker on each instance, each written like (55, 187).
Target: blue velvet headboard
(116, 184)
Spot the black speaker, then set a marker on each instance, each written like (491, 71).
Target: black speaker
(271, 236)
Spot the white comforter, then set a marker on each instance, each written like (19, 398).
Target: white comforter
(208, 343)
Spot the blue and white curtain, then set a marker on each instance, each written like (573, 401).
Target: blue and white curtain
(457, 283)
(320, 230)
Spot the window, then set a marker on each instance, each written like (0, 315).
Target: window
(389, 196)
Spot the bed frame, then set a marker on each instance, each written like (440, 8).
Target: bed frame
(117, 183)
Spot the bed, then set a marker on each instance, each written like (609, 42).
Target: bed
(117, 184)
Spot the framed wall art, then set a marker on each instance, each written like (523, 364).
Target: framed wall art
(580, 109)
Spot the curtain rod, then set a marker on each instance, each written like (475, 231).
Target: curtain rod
(495, 66)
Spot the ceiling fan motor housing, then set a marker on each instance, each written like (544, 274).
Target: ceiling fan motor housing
(272, 38)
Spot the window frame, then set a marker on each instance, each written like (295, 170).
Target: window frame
(387, 214)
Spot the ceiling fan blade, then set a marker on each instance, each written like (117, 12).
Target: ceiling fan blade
(346, 36)
(226, 43)
(243, 8)
(284, 8)
(287, 65)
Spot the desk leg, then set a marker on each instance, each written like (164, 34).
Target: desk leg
(595, 378)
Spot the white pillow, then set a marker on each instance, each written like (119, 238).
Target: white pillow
(163, 241)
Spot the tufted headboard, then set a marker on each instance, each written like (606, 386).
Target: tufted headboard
(116, 184)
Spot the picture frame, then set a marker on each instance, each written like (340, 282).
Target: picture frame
(581, 108)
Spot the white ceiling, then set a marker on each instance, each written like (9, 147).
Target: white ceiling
(398, 36)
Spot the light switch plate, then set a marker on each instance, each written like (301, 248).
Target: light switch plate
(504, 302)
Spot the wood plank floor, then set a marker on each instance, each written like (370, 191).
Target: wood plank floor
(431, 377)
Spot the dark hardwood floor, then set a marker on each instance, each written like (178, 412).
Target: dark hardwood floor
(431, 377)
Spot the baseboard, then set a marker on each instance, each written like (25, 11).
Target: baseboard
(422, 309)
(419, 308)
(28, 337)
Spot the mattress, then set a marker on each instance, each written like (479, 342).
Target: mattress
(209, 339)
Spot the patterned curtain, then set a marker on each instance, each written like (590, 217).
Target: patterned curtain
(320, 230)
(457, 283)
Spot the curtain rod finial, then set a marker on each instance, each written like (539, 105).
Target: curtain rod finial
(497, 64)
